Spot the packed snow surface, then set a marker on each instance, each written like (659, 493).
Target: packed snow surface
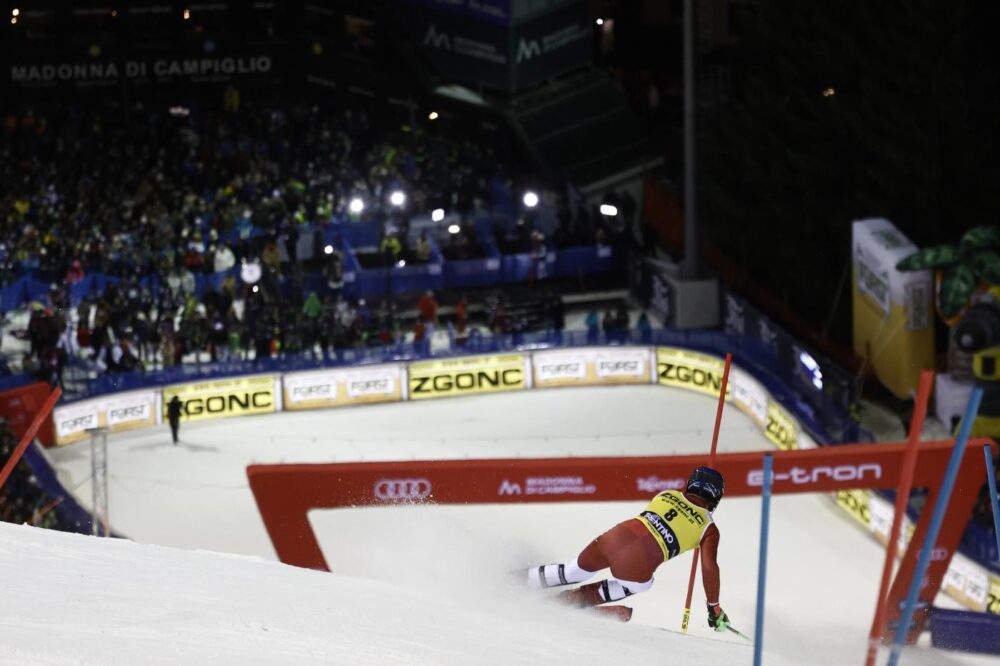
(421, 584)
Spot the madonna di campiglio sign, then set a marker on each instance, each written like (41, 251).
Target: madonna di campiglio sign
(105, 71)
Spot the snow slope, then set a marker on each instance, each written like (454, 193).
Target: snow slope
(443, 594)
(70, 599)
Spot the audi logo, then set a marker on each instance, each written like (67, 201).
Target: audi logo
(402, 489)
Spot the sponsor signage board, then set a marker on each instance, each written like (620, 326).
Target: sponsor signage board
(690, 370)
(469, 375)
(550, 44)
(547, 485)
(223, 398)
(116, 412)
(965, 580)
(748, 396)
(782, 429)
(590, 366)
(103, 72)
(341, 387)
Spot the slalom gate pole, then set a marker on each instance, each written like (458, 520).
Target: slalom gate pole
(902, 498)
(944, 494)
(29, 434)
(765, 517)
(991, 480)
(715, 442)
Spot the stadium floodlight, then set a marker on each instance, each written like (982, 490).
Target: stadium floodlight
(401, 263)
(433, 115)
(256, 289)
(328, 249)
(599, 21)
(437, 214)
(15, 12)
(530, 199)
(187, 14)
(453, 228)
(609, 210)
(356, 205)
(397, 198)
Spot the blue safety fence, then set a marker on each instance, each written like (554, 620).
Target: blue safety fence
(751, 354)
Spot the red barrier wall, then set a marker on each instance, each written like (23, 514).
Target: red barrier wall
(19, 407)
(285, 493)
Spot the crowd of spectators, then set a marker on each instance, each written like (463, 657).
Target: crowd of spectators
(177, 194)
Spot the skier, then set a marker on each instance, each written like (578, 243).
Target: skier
(672, 523)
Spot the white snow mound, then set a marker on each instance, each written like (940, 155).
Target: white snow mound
(73, 599)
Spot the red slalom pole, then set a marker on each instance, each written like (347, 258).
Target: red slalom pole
(902, 497)
(42, 414)
(711, 461)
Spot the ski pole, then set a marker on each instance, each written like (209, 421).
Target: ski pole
(741, 635)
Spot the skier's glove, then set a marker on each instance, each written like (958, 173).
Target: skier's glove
(717, 618)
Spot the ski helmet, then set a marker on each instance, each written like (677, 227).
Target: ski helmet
(707, 484)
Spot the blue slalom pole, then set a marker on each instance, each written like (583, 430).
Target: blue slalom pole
(991, 479)
(935, 527)
(765, 515)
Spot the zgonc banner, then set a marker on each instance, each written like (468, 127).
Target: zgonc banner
(340, 387)
(222, 398)
(693, 371)
(468, 375)
(116, 412)
(591, 366)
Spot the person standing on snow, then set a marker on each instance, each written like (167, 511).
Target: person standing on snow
(174, 409)
(672, 523)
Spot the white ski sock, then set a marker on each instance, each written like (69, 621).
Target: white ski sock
(616, 590)
(553, 575)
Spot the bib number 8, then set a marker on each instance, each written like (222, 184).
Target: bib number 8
(670, 515)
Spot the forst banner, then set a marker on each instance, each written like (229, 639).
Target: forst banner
(468, 375)
(591, 366)
(342, 387)
(223, 398)
(116, 412)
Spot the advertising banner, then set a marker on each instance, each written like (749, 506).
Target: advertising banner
(468, 375)
(166, 69)
(287, 494)
(964, 580)
(550, 44)
(73, 421)
(116, 412)
(340, 387)
(470, 51)
(590, 366)
(238, 396)
(690, 370)
(893, 311)
(748, 395)
(782, 429)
